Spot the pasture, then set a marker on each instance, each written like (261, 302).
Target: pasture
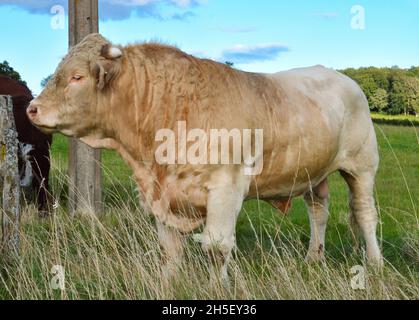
(117, 256)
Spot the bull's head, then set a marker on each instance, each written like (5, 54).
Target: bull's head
(71, 101)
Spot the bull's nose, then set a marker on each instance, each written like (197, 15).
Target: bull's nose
(32, 111)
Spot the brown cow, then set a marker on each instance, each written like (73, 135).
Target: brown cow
(30, 136)
(133, 99)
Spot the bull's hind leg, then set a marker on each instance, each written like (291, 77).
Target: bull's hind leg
(363, 213)
(317, 202)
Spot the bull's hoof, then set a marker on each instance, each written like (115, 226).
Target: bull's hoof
(376, 261)
(312, 259)
(315, 256)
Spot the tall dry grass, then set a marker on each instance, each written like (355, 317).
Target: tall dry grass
(117, 256)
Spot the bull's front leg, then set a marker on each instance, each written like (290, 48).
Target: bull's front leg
(225, 200)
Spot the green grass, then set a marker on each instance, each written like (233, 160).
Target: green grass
(117, 256)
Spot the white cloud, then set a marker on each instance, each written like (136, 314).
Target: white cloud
(243, 54)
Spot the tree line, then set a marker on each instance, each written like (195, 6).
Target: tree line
(389, 90)
(8, 71)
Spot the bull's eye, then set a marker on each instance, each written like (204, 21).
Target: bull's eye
(76, 78)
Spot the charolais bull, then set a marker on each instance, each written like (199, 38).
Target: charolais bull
(175, 119)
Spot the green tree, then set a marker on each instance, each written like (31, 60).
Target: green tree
(381, 77)
(404, 97)
(45, 81)
(8, 71)
(413, 71)
(379, 100)
(399, 84)
(412, 99)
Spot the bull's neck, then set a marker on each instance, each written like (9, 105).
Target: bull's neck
(150, 95)
(133, 113)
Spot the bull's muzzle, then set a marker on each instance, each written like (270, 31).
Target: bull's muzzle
(32, 111)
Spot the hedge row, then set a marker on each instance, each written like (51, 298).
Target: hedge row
(395, 120)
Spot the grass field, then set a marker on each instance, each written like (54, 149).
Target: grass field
(116, 255)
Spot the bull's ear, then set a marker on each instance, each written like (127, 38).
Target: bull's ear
(107, 66)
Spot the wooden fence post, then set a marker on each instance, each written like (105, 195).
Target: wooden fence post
(10, 175)
(85, 190)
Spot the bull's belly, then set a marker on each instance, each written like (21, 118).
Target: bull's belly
(284, 178)
(284, 190)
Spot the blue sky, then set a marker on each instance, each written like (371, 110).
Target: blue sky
(260, 36)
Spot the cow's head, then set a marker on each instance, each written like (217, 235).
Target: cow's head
(70, 101)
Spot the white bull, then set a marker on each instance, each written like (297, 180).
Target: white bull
(315, 122)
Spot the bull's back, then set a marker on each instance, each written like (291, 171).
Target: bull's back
(307, 137)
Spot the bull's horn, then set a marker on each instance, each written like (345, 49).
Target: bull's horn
(111, 52)
(115, 52)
